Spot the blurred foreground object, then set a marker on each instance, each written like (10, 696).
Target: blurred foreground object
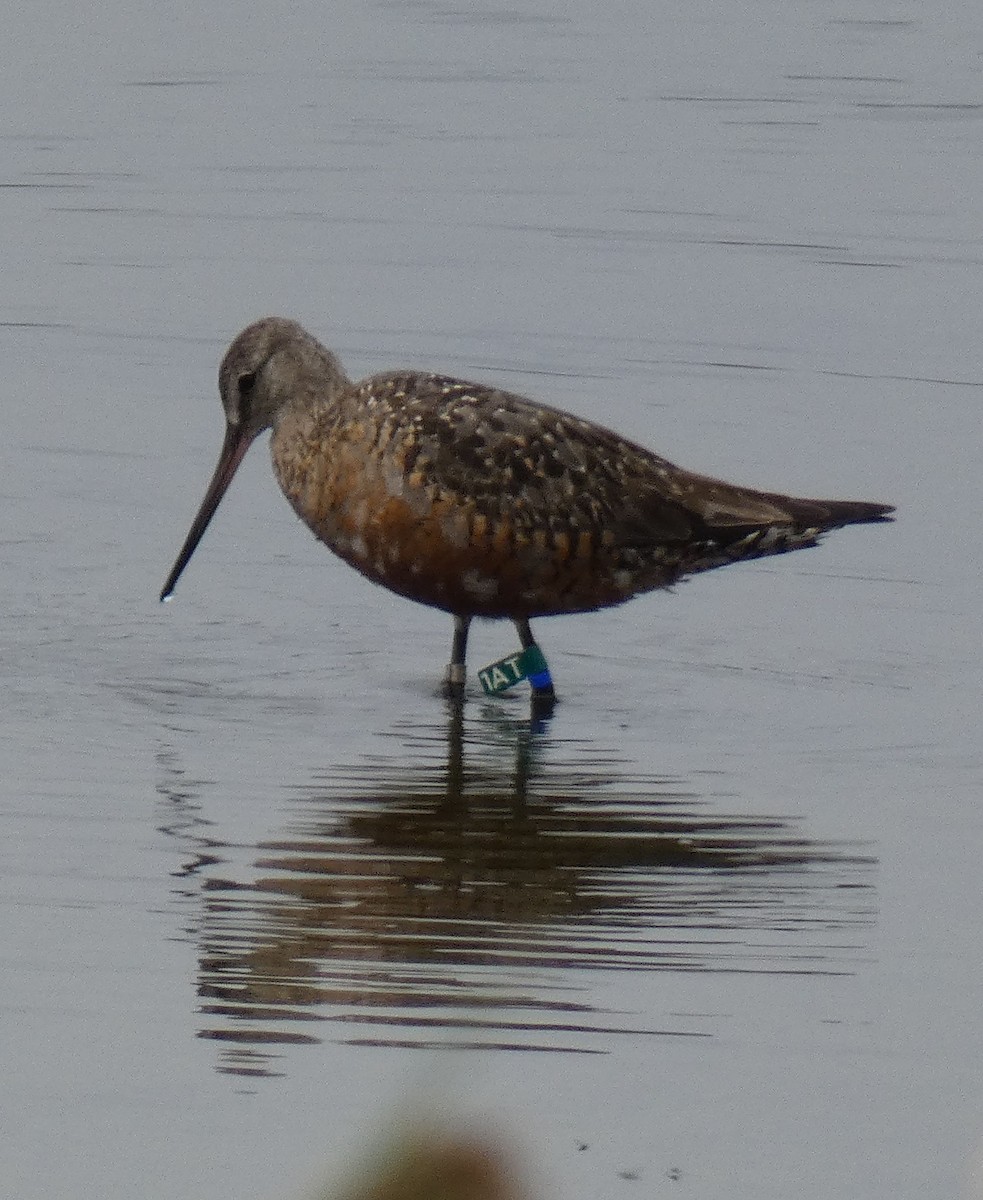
(426, 1164)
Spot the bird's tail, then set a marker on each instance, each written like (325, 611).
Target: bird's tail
(832, 514)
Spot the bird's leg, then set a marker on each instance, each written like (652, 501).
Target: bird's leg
(542, 684)
(455, 677)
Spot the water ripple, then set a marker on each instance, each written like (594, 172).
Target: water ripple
(474, 887)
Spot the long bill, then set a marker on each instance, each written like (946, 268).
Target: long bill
(237, 442)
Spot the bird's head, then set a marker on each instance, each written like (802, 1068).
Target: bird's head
(271, 364)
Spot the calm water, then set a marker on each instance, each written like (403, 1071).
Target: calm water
(710, 931)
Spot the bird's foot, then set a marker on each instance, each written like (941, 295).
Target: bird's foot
(454, 681)
(543, 696)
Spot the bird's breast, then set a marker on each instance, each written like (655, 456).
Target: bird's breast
(359, 492)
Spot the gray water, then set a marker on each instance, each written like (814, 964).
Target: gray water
(710, 931)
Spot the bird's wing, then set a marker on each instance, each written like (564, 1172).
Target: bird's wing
(541, 467)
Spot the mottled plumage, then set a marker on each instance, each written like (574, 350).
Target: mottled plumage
(478, 501)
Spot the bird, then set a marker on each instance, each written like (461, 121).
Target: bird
(480, 502)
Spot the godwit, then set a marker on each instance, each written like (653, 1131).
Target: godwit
(479, 502)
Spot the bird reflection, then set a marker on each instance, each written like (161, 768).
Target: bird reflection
(473, 887)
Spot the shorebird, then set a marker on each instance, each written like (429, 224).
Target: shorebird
(479, 502)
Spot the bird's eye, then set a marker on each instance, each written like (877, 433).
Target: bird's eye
(246, 383)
